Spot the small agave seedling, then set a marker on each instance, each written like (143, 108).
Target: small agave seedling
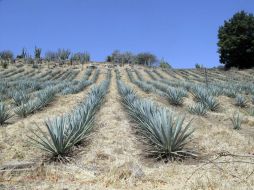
(250, 111)
(237, 121)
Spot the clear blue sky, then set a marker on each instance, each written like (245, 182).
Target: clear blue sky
(184, 32)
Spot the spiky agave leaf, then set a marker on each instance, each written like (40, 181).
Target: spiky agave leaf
(198, 109)
(20, 97)
(81, 121)
(5, 113)
(230, 92)
(215, 90)
(241, 101)
(45, 97)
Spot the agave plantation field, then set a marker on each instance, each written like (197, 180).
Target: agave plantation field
(112, 127)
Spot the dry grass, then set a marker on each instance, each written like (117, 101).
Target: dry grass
(113, 158)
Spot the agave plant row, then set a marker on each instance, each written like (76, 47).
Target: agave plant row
(207, 94)
(174, 95)
(230, 88)
(43, 99)
(65, 132)
(77, 87)
(141, 84)
(29, 94)
(163, 132)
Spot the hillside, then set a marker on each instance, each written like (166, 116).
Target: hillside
(113, 156)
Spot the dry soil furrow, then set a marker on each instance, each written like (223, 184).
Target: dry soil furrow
(112, 157)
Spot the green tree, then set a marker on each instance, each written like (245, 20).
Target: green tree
(63, 55)
(146, 59)
(37, 53)
(6, 55)
(23, 54)
(82, 58)
(109, 58)
(236, 41)
(198, 66)
(51, 56)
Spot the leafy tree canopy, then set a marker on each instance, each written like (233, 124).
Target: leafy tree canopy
(6, 55)
(236, 41)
